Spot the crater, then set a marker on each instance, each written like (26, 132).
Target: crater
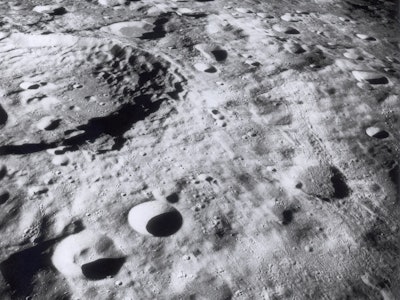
(129, 84)
(155, 218)
(376, 133)
(87, 254)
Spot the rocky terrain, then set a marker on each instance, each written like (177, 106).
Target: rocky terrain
(199, 149)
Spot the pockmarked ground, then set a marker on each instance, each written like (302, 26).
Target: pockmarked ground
(199, 149)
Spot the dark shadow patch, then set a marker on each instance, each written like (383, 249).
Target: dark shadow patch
(3, 117)
(195, 15)
(371, 239)
(292, 30)
(4, 196)
(178, 89)
(165, 224)
(370, 38)
(341, 190)
(114, 125)
(54, 125)
(383, 284)
(287, 217)
(381, 134)
(59, 11)
(220, 54)
(25, 148)
(198, 16)
(211, 69)
(158, 30)
(379, 80)
(173, 198)
(34, 86)
(19, 269)
(394, 175)
(3, 172)
(211, 180)
(326, 199)
(102, 268)
(299, 50)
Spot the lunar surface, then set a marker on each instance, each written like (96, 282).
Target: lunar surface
(199, 149)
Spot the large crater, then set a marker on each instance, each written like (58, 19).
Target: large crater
(86, 88)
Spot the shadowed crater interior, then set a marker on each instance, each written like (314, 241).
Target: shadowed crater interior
(3, 116)
(102, 268)
(341, 189)
(165, 224)
(220, 54)
(287, 216)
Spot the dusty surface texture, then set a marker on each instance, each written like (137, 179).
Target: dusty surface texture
(199, 149)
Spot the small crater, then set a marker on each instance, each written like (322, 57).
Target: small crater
(88, 254)
(294, 48)
(285, 29)
(365, 37)
(48, 123)
(29, 86)
(299, 185)
(376, 133)
(371, 77)
(203, 67)
(173, 198)
(102, 268)
(60, 160)
(155, 218)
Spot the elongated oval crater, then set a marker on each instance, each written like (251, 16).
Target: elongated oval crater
(155, 218)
